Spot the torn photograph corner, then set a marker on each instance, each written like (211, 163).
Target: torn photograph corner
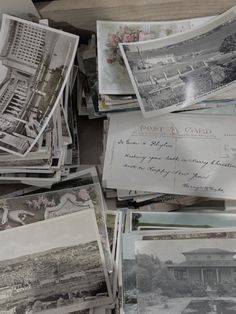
(35, 63)
(176, 72)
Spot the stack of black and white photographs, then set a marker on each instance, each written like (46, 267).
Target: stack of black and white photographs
(143, 229)
(115, 88)
(36, 71)
(68, 264)
(90, 286)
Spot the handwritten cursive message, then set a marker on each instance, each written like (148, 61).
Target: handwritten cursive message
(179, 154)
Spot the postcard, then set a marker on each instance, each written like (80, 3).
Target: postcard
(175, 72)
(29, 209)
(113, 76)
(23, 210)
(172, 202)
(176, 220)
(73, 179)
(29, 177)
(60, 275)
(35, 64)
(129, 265)
(191, 276)
(175, 154)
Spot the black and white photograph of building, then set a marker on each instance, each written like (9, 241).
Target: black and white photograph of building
(35, 62)
(191, 276)
(57, 274)
(174, 73)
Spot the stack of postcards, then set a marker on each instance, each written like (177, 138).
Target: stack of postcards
(173, 149)
(37, 77)
(58, 242)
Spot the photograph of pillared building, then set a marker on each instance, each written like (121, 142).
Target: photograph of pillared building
(34, 61)
(208, 266)
(186, 276)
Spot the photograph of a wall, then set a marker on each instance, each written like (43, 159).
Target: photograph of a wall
(35, 62)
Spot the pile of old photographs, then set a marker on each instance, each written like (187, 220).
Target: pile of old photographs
(115, 87)
(152, 228)
(168, 90)
(161, 67)
(58, 251)
(36, 76)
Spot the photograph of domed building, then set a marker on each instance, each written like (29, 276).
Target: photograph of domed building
(35, 62)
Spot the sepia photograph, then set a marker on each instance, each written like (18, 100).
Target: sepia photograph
(175, 72)
(191, 276)
(53, 273)
(35, 62)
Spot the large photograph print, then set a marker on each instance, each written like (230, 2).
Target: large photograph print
(173, 73)
(191, 276)
(35, 62)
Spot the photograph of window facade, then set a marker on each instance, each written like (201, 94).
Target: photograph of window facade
(35, 62)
